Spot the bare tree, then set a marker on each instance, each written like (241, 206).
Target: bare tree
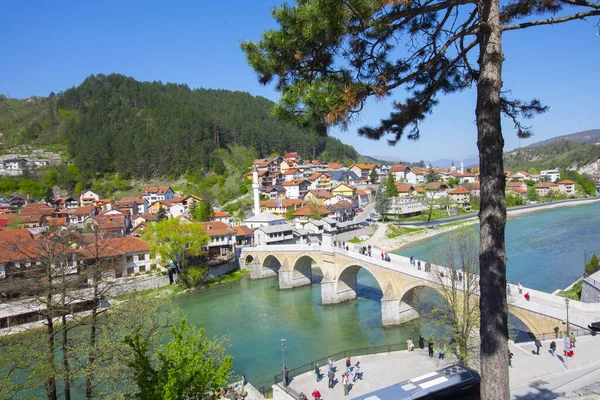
(457, 276)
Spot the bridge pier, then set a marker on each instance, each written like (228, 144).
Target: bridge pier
(257, 271)
(295, 278)
(331, 295)
(396, 312)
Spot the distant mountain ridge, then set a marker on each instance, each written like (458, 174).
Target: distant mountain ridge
(589, 136)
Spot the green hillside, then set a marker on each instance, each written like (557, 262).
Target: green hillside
(559, 154)
(115, 124)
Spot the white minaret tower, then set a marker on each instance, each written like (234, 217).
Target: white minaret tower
(462, 168)
(255, 190)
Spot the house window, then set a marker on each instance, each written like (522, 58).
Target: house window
(129, 259)
(130, 270)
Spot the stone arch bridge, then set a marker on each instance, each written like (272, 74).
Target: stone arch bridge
(293, 264)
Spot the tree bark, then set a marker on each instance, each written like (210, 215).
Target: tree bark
(492, 255)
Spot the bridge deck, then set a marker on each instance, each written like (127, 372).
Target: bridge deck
(580, 314)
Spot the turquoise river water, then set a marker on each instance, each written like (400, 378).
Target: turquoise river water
(545, 251)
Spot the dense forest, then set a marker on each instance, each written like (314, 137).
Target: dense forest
(115, 124)
(562, 154)
(150, 129)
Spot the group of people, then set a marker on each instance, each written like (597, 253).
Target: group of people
(331, 369)
(413, 261)
(527, 296)
(341, 244)
(365, 250)
(385, 256)
(441, 348)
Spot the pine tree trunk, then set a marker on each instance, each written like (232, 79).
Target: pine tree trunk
(492, 255)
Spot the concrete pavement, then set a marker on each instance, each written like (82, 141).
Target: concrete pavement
(532, 376)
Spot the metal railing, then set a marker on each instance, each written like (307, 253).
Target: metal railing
(364, 351)
(559, 334)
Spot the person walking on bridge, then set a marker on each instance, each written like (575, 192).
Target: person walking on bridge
(430, 348)
(331, 376)
(345, 382)
(421, 342)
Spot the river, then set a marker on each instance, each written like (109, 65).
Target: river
(545, 251)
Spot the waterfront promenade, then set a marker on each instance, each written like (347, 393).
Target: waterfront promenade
(532, 376)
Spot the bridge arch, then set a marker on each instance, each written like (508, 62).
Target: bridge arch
(343, 286)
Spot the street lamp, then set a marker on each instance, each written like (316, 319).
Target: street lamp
(568, 347)
(283, 360)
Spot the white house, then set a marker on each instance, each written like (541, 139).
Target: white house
(296, 189)
(15, 164)
(274, 234)
(177, 210)
(399, 171)
(264, 219)
(293, 174)
(550, 175)
(405, 207)
(567, 187)
(88, 197)
(155, 193)
(414, 176)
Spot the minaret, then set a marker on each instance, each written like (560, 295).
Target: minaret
(462, 168)
(452, 167)
(255, 190)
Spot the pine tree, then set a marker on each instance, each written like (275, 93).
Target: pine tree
(329, 58)
(391, 190)
(374, 178)
(161, 214)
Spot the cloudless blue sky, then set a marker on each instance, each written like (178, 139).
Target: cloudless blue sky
(51, 46)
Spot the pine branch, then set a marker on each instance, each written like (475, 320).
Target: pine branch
(552, 21)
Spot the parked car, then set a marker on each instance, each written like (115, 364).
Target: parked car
(360, 210)
(363, 223)
(369, 220)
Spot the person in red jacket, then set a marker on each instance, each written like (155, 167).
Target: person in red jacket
(316, 394)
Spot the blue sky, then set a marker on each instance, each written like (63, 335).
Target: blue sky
(50, 46)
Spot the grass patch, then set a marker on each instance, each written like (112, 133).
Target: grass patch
(355, 240)
(229, 277)
(395, 231)
(574, 293)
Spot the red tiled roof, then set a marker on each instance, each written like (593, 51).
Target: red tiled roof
(545, 185)
(403, 188)
(459, 190)
(397, 168)
(307, 210)
(566, 182)
(364, 166)
(243, 230)
(295, 182)
(320, 193)
(290, 171)
(156, 189)
(220, 214)
(216, 228)
(285, 203)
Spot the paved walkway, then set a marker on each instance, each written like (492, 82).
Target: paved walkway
(532, 376)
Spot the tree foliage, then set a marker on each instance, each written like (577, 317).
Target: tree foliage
(189, 367)
(174, 241)
(593, 265)
(147, 129)
(382, 201)
(391, 190)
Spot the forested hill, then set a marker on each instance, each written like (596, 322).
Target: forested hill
(112, 123)
(562, 154)
(153, 129)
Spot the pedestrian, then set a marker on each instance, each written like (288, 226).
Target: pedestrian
(441, 351)
(419, 265)
(357, 373)
(427, 266)
(520, 288)
(527, 297)
(538, 344)
(345, 382)
(348, 362)
(410, 345)
(572, 337)
(382, 256)
(510, 356)
(331, 376)
(508, 289)
(347, 248)
(302, 396)
(552, 347)
(330, 363)
(460, 276)
(316, 394)
(421, 342)
(285, 375)
(244, 381)
(430, 347)
(318, 372)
